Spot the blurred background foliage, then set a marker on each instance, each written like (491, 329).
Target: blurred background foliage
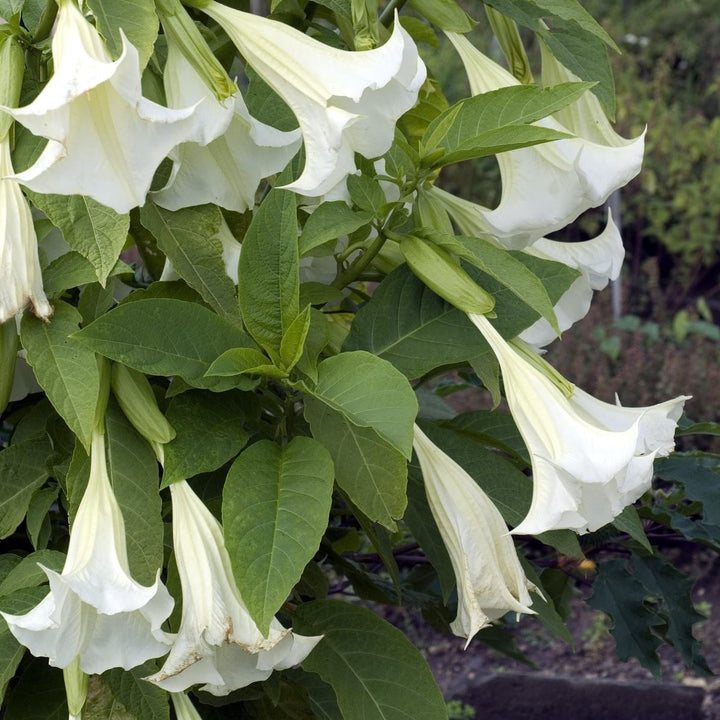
(666, 341)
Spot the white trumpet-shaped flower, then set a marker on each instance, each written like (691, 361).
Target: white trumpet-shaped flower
(590, 459)
(95, 611)
(230, 157)
(105, 139)
(345, 102)
(599, 260)
(545, 187)
(20, 277)
(490, 579)
(218, 643)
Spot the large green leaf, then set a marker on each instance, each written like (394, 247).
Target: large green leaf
(498, 121)
(377, 674)
(622, 596)
(134, 475)
(28, 573)
(137, 20)
(22, 471)
(95, 231)
(370, 470)
(203, 420)
(369, 392)
(329, 221)
(141, 699)
(39, 694)
(163, 336)
(269, 285)
(100, 703)
(66, 370)
(189, 239)
(72, 269)
(276, 503)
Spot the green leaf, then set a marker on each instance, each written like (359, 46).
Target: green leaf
(72, 269)
(497, 429)
(134, 475)
(137, 20)
(22, 471)
(586, 57)
(244, 361)
(293, 341)
(100, 703)
(329, 221)
(90, 228)
(322, 696)
(37, 520)
(276, 503)
(622, 596)
(446, 14)
(629, 522)
(203, 420)
(419, 519)
(498, 120)
(39, 694)
(28, 573)
(376, 673)
(411, 327)
(268, 288)
(189, 238)
(141, 699)
(512, 273)
(367, 194)
(8, 8)
(367, 468)
(66, 370)
(162, 336)
(369, 392)
(341, 7)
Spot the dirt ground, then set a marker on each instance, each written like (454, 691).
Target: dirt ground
(594, 653)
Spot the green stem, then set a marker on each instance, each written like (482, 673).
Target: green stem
(388, 13)
(360, 263)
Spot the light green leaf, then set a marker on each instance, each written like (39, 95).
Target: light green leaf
(377, 674)
(329, 221)
(370, 393)
(134, 475)
(8, 8)
(244, 361)
(293, 341)
(141, 699)
(90, 228)
(66, 370)
(22, 471)
(189, 239)
(367, 468)
(411, 327)
(493, 119)
(268, 288)
(72, 269)
(136, 18)
(160, 336)
(28, 573)
(367, 194)
(213, 422)
(276, 503)
(446, 14)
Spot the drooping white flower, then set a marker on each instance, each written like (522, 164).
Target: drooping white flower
(231, 155)
(95, 611)
(345, 102)
(105, 139)
(490, 579)
(218, 643)
(20, 276)
(589, 458)
(545, 187)
(599, 260)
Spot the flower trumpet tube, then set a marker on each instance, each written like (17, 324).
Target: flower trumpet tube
(490, 580)
(105, 139)
(235, 154)
(20, 277)
(589, 458)
(218, 643)
(95, 611)
(345, 102)
(545, 187)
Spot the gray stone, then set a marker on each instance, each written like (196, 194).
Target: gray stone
(528, 696)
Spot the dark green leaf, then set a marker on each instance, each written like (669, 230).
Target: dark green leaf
(142, 699)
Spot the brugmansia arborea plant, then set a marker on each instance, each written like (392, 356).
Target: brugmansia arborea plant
(233, 293)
